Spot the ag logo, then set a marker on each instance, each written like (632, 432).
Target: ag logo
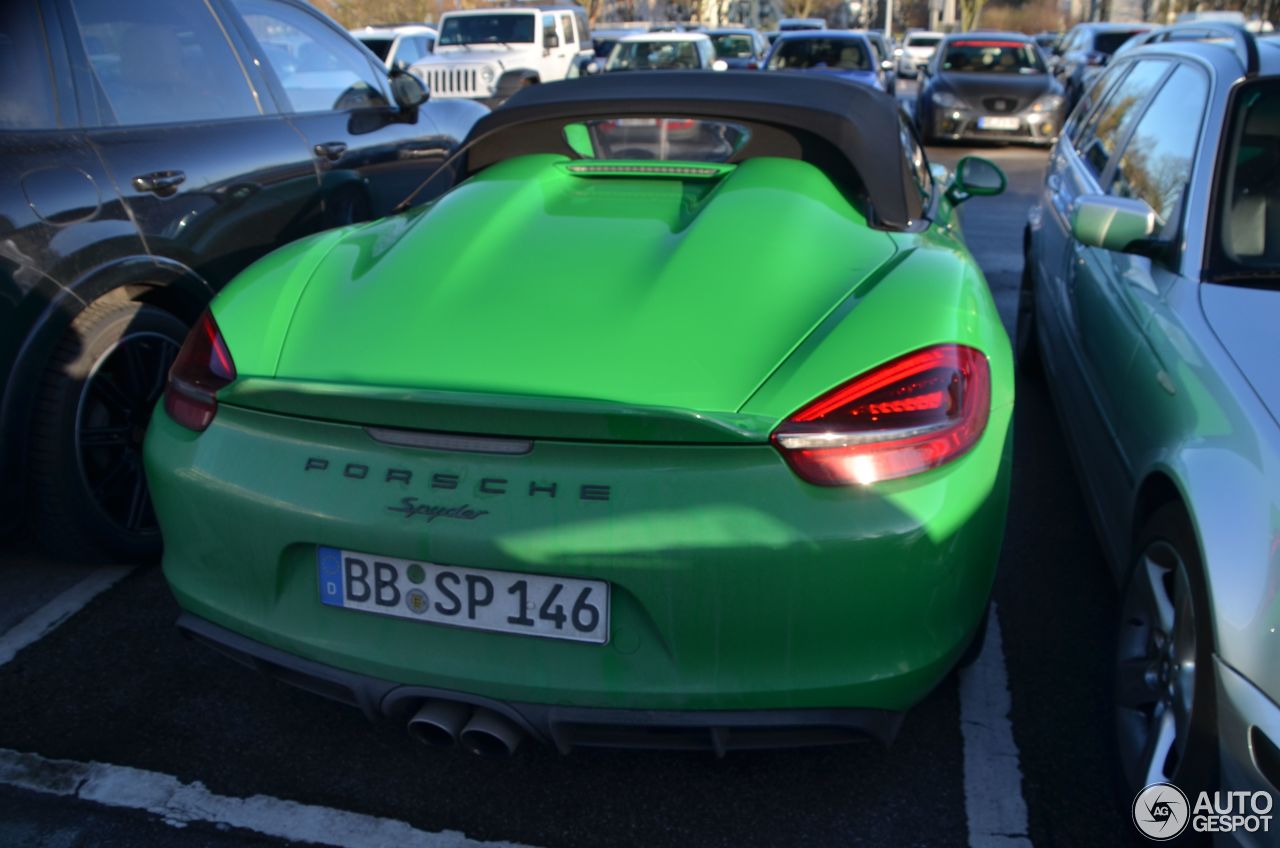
(1161, 811)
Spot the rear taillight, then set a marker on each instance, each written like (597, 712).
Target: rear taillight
(906, 416)
(203, 366)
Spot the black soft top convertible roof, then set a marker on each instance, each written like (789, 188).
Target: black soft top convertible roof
(849, 130)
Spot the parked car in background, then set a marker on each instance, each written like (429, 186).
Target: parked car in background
(488, 54)
(1207, 30)
(885, 57)
(603, 41)
(840, 53)
(799, 24)
(917, 50)
(468, 512)
(1151, 301)
(149, 151)
(1085, 50)
(1048, 40)
(989, 85)
(664, 51)
(397, 45)
(741, 48)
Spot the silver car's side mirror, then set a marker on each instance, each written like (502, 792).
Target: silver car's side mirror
(1112, 223)
(408, 91)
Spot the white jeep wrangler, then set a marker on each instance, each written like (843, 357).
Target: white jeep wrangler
(489, 54)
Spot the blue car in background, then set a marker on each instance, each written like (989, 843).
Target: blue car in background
(844, 54)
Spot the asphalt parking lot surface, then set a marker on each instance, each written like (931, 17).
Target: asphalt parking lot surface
(115, 684)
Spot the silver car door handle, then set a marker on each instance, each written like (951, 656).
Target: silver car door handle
(1054, 182)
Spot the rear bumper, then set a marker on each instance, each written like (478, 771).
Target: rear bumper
(564, 727)
(734, 584)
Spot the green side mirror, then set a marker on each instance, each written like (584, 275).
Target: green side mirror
(975, 177)
(1112, 223)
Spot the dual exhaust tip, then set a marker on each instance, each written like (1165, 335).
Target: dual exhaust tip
(443, 724)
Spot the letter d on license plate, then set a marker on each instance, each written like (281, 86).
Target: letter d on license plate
(475, 598)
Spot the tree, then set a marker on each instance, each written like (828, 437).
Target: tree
(970, 13)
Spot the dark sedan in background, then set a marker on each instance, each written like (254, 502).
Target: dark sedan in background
(149, 151)
(1085, 50)
(991, 86)
(838, 53)
(740, 48)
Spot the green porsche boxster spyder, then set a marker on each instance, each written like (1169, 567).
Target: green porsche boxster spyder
(682, 419)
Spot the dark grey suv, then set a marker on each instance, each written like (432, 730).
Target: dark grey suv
(149, 150)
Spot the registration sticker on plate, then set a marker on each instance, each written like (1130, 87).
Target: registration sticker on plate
(995, 122)
(475, 598)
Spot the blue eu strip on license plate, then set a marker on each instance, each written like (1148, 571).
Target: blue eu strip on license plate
(331, 576)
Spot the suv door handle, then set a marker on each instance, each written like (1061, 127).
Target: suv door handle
(331, 150)
(1054, 182)
(162, 183)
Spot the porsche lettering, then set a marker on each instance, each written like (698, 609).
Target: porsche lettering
(447, 481)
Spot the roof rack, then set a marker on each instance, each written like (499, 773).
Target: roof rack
(1245, 45)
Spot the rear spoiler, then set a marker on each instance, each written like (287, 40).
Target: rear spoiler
(517, 416)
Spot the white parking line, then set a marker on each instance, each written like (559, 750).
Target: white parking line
(46, 619)
(993, 801)
(182, 803)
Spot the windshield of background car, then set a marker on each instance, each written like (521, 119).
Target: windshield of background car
(488, 29)
(379, 46)
(654, 55)
(992, 57)
(923, 40)
(1246, 241)
(834, 53)
(660, 139)
(732, 46)
(1109, 42)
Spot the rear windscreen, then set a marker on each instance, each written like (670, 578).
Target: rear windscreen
(989, 56)
(799, 54)
(660, 139)
(502, 28)
(732, 46)
(654, 56)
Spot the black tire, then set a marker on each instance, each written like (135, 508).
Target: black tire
(1026, 344)
(1151, 663)
(88, 491)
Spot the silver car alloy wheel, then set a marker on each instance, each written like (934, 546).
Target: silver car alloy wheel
(1156, 667)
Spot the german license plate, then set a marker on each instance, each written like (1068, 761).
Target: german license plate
(995, 122)
(475, 598)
